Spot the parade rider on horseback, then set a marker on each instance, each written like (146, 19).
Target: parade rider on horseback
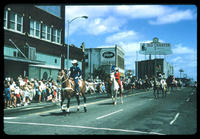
(75, 73)
(117, 76)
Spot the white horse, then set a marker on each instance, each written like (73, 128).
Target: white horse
(163, 87)
(115, 89)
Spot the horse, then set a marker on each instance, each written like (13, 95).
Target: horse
(68, 90)
(159, 86)
(163, 87)
(147, 84)
(171, 83)
(115, 89)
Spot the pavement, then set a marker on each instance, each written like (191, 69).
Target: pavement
(140, 114)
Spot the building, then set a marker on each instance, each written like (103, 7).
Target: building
(34, 41)
(104, 57)
(152, 68)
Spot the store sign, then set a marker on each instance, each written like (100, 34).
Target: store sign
(155, 48)
(108, 54)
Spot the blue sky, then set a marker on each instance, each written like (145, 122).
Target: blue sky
(130, 25)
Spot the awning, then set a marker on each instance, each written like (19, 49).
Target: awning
(18, 59)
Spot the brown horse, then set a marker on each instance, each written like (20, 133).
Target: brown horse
(68, 90)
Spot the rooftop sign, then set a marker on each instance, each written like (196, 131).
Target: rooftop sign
(155, 48)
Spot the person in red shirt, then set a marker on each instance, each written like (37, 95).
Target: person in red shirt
(117, 77)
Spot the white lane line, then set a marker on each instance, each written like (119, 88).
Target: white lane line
(8, 118)
(33, 108)
(174, 119)
(85, 127)
(109, 114)
(188, 99)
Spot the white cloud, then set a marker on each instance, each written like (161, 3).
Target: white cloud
(100, 22)
(180, 49)
(104, 25)
(157, 13)
(141, 11)
(173, 17)
(90, 11)
(122, 36)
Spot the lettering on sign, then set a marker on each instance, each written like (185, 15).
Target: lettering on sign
(108, 54)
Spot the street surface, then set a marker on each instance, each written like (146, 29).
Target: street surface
(140, 114)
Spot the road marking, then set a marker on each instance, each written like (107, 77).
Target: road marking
(8, 118)
(33, 108)
(174, 119)
(109, 114)
(188, 99)
(84, 127)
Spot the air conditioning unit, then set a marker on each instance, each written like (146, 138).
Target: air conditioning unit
(32, 53)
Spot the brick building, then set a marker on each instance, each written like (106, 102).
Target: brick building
(34, 41)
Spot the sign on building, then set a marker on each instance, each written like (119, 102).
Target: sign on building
(108, 56)
(155, 48)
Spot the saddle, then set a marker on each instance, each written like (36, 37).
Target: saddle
(72, 82)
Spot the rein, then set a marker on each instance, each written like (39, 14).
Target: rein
(64, 80)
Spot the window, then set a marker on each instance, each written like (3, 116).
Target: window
(46, 32)
(56, 36)
(12, 21)
(16, 22)
(35, 28)
(5, 18)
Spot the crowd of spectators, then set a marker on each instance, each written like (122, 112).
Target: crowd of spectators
(22, 92)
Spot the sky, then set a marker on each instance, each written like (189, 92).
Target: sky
(130, 25)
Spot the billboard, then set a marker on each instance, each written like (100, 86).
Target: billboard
(155, 48)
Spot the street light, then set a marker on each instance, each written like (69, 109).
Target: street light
(69, 22)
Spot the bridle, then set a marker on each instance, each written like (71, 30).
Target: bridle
(61, 77)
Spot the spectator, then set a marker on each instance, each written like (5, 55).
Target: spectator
(17, 94)
(7, 94)
(23, 91)
(26, 79)
(31, 90)
(43, 91)
(39, 91)
(26, 95)
(12, 92)
(54, 92)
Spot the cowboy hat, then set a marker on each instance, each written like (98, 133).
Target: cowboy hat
(116, 68)
(74, 62)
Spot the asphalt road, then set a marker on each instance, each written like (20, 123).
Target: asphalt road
(140, 114)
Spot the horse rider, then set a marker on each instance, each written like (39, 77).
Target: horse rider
(117, 77)
(75, 73)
